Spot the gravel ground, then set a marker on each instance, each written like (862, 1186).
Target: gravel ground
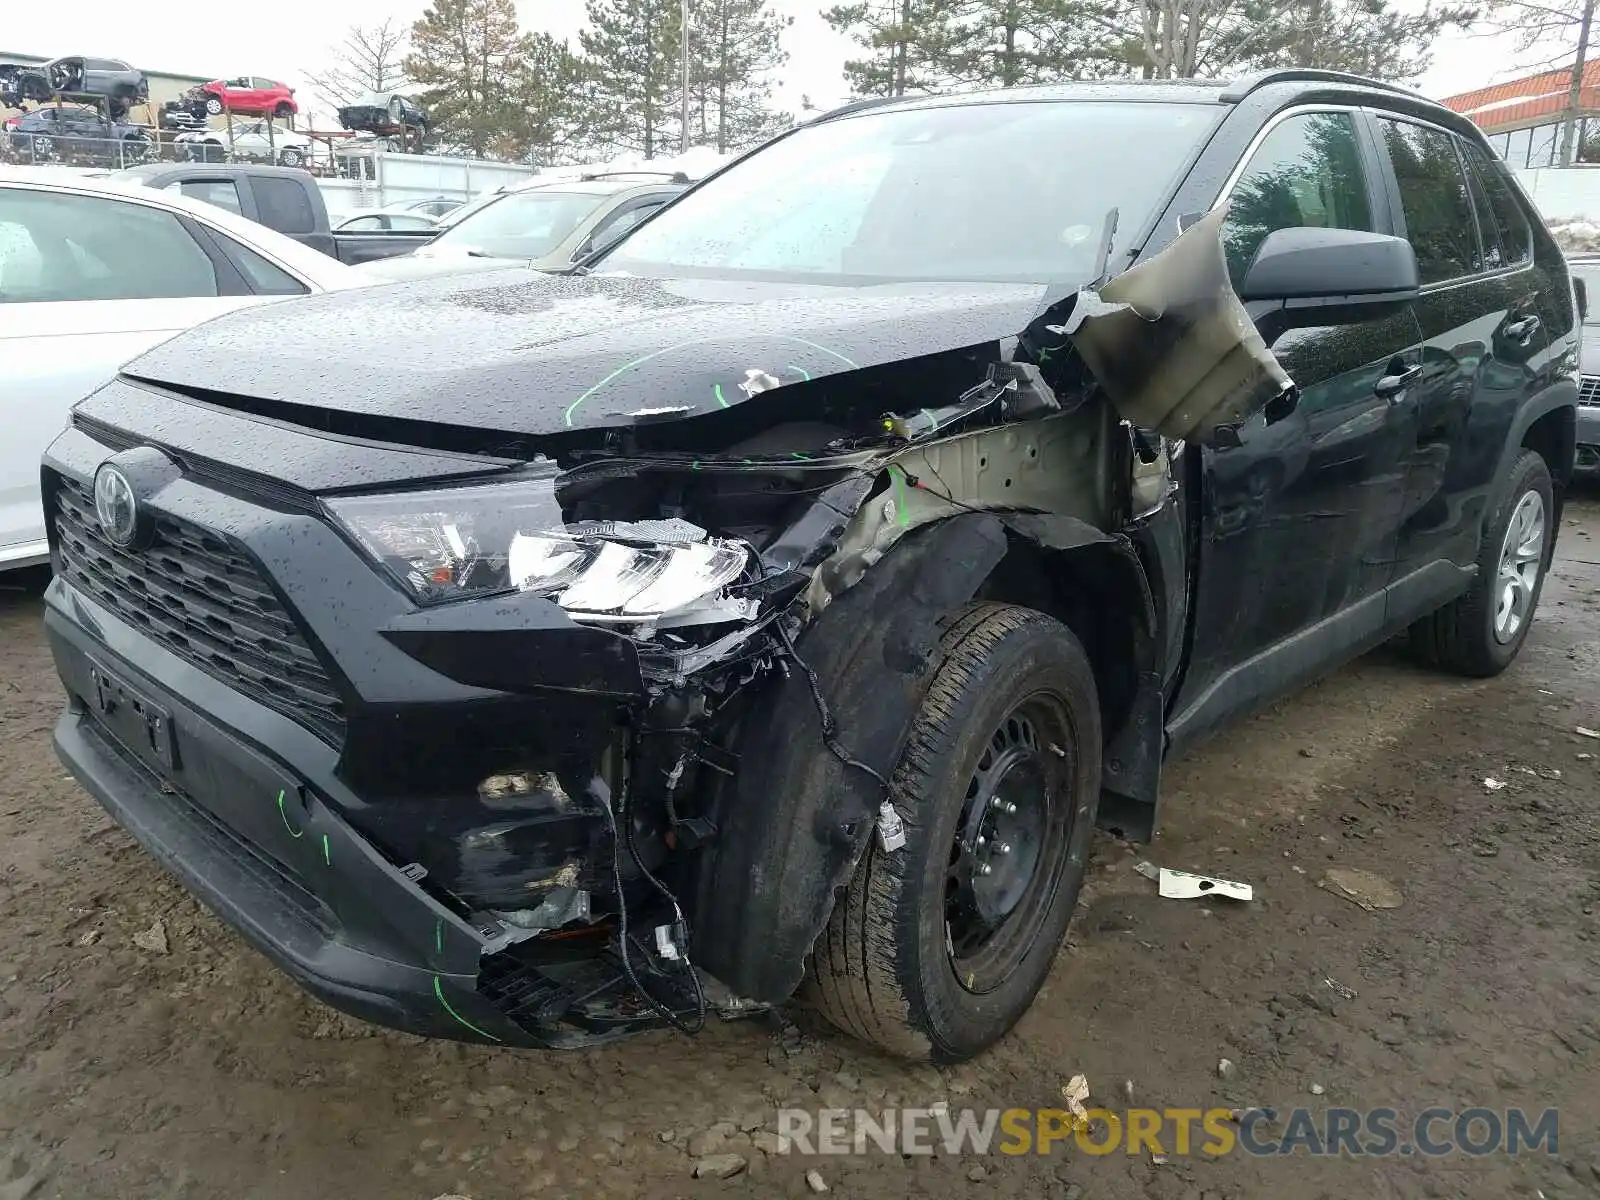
(147, 1052)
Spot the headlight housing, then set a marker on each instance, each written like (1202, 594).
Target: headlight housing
(461, 543)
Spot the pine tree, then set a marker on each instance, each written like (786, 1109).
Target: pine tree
(631, 70)
(1182, 39)
(734, 47)
(468, 55)
(548, 118)
(1004, 43)
(910, 44)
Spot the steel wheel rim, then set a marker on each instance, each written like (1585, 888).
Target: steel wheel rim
(1521, 558)
(1015, 819)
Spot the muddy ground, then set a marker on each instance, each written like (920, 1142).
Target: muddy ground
(133, 1069)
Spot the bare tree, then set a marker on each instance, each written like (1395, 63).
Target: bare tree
(369, 59)
(1562, 27)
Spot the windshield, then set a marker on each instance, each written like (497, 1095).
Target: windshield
(1009, 192)
(520, 225)
(1590, 274)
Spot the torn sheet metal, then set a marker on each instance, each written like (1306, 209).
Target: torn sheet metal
(1172, 345)
(1057, 465)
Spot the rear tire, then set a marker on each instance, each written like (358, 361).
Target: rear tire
(1479, 633)
(291, 158)
(927, 955)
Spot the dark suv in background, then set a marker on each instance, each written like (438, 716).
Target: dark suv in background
(1586, 271)
(75, 134)
(775, 603)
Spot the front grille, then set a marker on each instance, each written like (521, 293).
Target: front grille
(192, 592)
(1589, 390)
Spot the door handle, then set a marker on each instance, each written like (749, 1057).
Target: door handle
(1522, 331)
(1392, 387)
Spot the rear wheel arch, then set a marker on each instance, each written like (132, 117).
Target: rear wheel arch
(1553, 436)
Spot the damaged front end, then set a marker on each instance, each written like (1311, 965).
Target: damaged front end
(748, 604)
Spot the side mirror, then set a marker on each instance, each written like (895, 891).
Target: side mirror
(1581, 291)
(1332, 266)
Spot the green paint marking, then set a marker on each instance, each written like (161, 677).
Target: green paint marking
(801, 457)
(899, 478)
(438, 990)
(327, 852)
(722, 401)
(847, 361)
(644, 358)
(802, 371)
(623, 369)
(293, 832)
(438, 937)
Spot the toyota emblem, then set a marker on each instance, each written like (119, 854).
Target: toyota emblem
(116, 506)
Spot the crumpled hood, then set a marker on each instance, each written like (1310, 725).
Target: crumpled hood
(522, 352)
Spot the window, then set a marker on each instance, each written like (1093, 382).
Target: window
(1433, 197)
(59, 246)
(1493, 257)
(1542, 149)
(615, 226)
(410, 221)
(265, 278)
(1500, 141)
(363, 223)
(283, 205)
(1306, 173)
(892, 195)
(224, 193)
(522, 224)
(1517, 147)
(1505, 217)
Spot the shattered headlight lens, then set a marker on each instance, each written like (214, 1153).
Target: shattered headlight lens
(463, 542)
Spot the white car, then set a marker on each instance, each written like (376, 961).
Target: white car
(95, 272)
(250, 140)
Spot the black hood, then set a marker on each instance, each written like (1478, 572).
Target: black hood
(520, 352)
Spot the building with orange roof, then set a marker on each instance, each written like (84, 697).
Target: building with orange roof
(1522, 118)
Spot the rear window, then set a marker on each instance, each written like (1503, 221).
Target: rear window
(522, 224)
(282, 204)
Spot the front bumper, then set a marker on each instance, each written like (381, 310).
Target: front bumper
(1586, 464)
(255, 843)
(160, 746)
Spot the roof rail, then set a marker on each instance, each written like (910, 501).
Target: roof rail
(854, 106)
(1240, 88)
(671, 176)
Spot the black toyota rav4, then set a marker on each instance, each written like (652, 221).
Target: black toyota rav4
(773, 605)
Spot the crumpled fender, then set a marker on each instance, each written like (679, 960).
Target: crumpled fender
(793, 820)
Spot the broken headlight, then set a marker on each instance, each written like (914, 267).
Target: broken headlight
(463, 542)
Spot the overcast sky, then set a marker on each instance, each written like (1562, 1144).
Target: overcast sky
(291, 37)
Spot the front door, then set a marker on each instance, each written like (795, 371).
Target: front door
(1300, 518)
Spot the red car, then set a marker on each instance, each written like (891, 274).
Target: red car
(251, 95)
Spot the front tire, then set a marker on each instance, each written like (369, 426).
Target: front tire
(1479, 633)
(291, 158)
(935, 950)
(214, 106)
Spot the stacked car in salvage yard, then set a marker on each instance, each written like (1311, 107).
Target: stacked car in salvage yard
(774, 604)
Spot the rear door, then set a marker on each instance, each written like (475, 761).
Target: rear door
(1483, 328)
(86, 283)
(1298, 525)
